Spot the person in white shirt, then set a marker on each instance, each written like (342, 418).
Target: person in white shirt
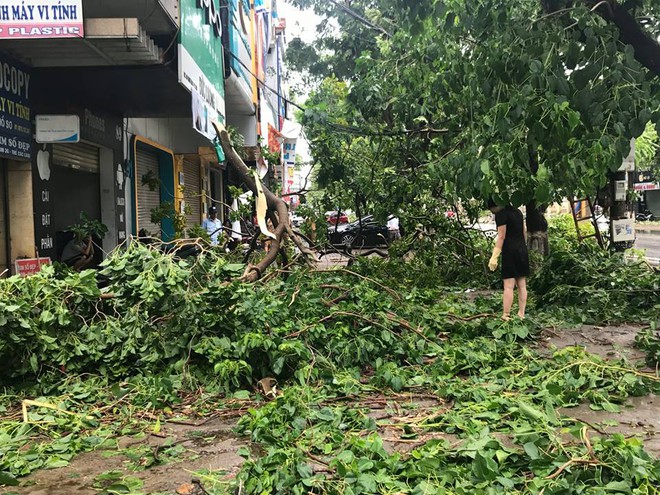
(213, 225)
(393, 228)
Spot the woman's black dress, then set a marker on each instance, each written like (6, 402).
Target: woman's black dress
(515, 260)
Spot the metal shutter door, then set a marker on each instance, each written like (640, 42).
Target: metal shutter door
(653, 201)
(79, 156)
(147, 199)
(192, 192)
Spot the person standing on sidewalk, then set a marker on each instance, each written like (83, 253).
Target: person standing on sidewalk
(213, 225)
(393, 228)
(515, 259)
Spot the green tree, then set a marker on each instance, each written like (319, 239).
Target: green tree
(524, 101)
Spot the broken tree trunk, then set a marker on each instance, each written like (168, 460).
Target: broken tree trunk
(275, 205)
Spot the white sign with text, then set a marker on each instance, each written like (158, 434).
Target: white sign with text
(29, 19)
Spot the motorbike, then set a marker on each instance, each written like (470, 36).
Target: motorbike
(645, 216)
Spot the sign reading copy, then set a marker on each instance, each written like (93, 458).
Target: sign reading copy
(200, 58)
(41, 19)
(15, 119)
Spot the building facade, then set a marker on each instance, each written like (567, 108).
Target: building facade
(106, 112)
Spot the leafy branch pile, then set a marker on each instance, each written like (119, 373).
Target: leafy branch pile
(336, 342)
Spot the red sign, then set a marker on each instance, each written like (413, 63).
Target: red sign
(647, 186)
(275, 139)
(30, 266)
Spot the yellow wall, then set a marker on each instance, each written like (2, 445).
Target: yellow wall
(178, 174)
(21, 212)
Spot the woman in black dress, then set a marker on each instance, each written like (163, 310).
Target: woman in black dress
(515, 260)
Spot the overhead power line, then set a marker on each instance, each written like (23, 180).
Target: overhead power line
(357, 16)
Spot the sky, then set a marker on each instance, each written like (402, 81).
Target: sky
(299, 23)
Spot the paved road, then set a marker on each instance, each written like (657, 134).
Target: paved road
(651, 242)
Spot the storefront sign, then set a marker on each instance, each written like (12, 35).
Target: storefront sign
(212, 15)
(289, 163)
(30, 19)
(200, 56)
(647, 186)
(30, 266)
(203, 116)
(57, 128)
(15, 119)
(240, 46)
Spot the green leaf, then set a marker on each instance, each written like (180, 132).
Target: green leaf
(304, 470)
(242, 394)
(536, 66)
(484, 468)
(531, 450)
(7, 479)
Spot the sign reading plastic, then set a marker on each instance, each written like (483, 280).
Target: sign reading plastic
(30, 266)
(29, 19)
(57, 128)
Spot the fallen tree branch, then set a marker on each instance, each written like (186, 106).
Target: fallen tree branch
(277, 209)
(390, 316)
(392, 292)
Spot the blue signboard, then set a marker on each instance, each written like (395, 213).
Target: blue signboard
(15, 112)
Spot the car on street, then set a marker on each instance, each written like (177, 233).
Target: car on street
(487, 228)
(372, 234)
(296, 220)
(334, 218)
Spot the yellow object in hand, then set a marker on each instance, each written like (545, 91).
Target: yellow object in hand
(492, 264)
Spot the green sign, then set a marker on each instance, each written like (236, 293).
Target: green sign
(200, 54)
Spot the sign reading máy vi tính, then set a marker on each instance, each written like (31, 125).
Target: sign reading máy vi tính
(29, 19)
(15, 118)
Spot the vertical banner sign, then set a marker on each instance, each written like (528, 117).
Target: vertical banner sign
(289, 164)
(27, 19)
(15, 118)
(200, 65)
(202, 116)
(275, 139)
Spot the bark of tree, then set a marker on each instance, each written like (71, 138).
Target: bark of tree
(537, 225)
(537, 229)
(276, 206)
(647, 49)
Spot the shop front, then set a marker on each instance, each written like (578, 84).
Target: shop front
(154, 193)
(77, 178)
(16, 216)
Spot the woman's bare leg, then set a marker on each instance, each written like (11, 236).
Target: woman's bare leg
(521, 283)
(507, 297)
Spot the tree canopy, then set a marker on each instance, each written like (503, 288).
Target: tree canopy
(525, 101)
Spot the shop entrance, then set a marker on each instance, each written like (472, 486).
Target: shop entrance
(192, 191)
(75, 183)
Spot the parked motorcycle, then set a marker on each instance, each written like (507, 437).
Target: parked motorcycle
(645, 216)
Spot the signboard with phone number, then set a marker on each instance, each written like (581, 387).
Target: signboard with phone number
(30, 266)
(15, 118)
